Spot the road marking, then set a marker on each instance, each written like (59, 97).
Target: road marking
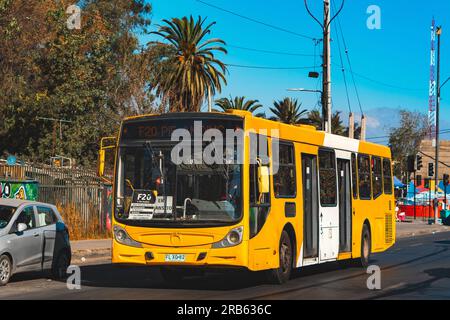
(416, 245)
(395, 286)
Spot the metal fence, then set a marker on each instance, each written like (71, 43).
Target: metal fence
(63, 187)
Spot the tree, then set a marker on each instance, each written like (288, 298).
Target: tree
(193, 71)
(405, 140)
(315, 118)
(288, 111)
(91, 77)
(238, 103)
(336, 124)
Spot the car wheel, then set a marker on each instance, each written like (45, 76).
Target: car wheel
(60, 265)
(5, 269)
(365, 246)
(283, 272)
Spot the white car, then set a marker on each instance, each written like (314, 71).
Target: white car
(33, 237)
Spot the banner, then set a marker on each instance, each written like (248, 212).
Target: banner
(19, 190)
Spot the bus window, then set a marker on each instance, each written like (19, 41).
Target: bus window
(365, 187)
(284, 179)
(377, 177)
(387, 176)
(259, 204)
(354, 177)
(327, 175)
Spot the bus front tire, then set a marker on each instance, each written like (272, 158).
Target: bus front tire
(366, 246)
(282, 274)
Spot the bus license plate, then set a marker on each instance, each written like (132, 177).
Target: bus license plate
(175, 257)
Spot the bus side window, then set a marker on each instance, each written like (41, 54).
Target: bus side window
(387, 176)
(377, 177)
(354, 177)
(327, 178)
(365, 186)
(259, 205)
(284, 180)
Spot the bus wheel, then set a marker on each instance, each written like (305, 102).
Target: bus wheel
(171, 275)
(283, 272)
(365, 246)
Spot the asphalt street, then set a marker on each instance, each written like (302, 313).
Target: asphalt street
(415, 268)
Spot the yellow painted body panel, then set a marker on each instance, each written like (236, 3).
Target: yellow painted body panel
(261, 252)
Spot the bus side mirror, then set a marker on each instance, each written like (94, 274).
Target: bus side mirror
(101, 162)
(263, 179)
(106, 144)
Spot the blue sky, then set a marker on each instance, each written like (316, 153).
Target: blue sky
(397, 55)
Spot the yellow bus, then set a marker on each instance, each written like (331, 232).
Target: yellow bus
(322, 198)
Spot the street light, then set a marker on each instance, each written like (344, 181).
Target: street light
(305, 90)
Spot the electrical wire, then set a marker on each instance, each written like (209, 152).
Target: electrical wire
(343, 69)
(349, 62)
(256, 21)
(266, 67)
(270, 51)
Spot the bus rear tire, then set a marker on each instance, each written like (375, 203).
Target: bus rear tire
(366, 247)
(282, 274)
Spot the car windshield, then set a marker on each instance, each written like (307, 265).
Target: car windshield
(6, 213)
(152, 188)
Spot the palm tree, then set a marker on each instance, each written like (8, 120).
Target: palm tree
(288, 111)
(336, 124)
(315, 118)
(194, 71)
(238, 103)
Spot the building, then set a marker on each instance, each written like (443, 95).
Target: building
(428, 156)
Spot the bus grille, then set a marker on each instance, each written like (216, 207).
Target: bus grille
(388, 228)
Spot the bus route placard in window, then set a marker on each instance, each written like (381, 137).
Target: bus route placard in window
(145, 204)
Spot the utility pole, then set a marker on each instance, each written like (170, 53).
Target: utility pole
(438, 102)
(326, 78)
(326, 65)
(209, 100)
(351, 126)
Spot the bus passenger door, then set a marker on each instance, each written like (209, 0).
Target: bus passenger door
(310, 208)
(329, 206)
(345, 205)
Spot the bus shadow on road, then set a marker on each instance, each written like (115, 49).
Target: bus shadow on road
(108, 275)
(418, 289)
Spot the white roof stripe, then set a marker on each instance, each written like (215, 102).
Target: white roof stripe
(339, 142)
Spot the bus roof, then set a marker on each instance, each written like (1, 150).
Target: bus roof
(297, 133)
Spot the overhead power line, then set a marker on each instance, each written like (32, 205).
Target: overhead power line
(270, 51)
(343, 69)
(443, 131)
(383, 83)
(348, 61)
(267, 67)
(256, 21)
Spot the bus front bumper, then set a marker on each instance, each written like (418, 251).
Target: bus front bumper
(235, 256)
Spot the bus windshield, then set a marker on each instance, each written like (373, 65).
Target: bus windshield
(152, 188)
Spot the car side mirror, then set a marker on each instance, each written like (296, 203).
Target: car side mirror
(21, 227)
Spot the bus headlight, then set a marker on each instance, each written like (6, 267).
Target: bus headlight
(122, 237)
(233, 238)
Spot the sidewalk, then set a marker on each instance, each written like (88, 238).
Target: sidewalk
(415, 228)
(84, 251)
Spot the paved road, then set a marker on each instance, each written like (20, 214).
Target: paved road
(415, 268)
